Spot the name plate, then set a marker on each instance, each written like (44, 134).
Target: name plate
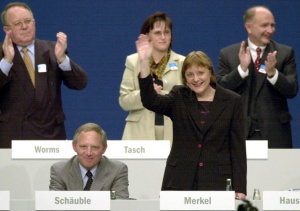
(42, 149)
(72, 200)
(138, 149)
(257, 149)
(197, 200)
(116, 149)
(281, 200)
(4, 199)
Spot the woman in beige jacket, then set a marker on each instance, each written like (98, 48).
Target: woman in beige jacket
(165, 65)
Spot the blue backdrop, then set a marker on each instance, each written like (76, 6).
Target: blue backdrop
(102, 33)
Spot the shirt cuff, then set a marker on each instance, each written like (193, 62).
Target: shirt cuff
(273, 80)
(65, 65)
(242, 73)
(5, 66)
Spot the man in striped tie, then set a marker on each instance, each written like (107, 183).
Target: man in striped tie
(90, 169)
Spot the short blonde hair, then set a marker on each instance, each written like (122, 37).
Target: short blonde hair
(91, 127)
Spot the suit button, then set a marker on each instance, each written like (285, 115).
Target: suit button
(199, 145)
(201, 164)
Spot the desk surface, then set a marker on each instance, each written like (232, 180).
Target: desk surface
(117, 205)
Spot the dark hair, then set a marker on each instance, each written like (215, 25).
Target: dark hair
(157, 17)
(10, 5)
(200, 59)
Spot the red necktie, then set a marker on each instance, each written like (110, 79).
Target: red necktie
(257, 61)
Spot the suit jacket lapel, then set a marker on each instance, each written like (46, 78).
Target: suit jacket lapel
(192, 106)
(21, 72)
(218, 105)
(261, 77)
(173, 59)
(101, 175)
(75, 177)
(42, 56)
(251, 68)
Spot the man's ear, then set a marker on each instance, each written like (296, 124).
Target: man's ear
(74, 146)
(104, 149)
(6, 29)
(248, 27)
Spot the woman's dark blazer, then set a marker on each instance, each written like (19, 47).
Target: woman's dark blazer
(217, 149)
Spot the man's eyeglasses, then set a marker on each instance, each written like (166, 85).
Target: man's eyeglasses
(159, 33)
(19, 24)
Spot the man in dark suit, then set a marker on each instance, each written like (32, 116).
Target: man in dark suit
(264, 87)
(31, 104)
(90, 143)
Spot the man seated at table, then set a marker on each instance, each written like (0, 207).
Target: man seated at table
(90, 169)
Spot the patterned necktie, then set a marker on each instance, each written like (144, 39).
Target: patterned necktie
(90, 180)
(257, 61)
(29, 65)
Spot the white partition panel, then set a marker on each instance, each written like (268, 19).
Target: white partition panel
(4, 200)
(22, 177)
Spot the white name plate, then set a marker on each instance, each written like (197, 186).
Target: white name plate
(72, 200)
(138, 149)
(257, 149)
(116, 149)
(4, 199)
(41, 149)
(281, 200)
(197, 200)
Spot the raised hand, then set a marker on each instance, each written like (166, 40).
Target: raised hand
(61, 47)
(244, 56)
(144, 49)
(8, 48)
(270, 64)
